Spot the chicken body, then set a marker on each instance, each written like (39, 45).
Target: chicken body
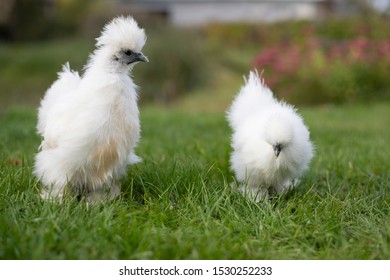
(271, 145)
(90, 125)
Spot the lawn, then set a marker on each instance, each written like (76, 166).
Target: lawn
(178, 203)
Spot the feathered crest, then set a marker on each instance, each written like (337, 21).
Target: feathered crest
(255, 78)
(122, 32)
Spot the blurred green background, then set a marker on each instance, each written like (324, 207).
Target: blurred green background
(333, 59)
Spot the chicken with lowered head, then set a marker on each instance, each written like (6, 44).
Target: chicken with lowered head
(271, 144)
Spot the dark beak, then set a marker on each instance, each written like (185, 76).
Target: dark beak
(277, 149)
(140, 57)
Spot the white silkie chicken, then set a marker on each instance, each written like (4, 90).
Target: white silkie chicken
(90, 124)
(271, 144)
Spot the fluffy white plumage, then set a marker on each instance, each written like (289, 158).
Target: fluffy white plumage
(271, 144)
(90, 124)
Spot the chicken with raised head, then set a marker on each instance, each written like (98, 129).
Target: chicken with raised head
(90, 124)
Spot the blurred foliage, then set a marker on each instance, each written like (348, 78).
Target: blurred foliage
(26, 20)
(32, 20)
(178, 64)
(333, 60)
(175, 67)
(28, 69)
(328, 72)
(336, 60)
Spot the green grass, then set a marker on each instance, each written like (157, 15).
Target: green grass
(177, 204)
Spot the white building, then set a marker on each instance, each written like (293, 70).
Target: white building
(202, 12)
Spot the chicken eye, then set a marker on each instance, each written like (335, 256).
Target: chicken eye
(128, 52)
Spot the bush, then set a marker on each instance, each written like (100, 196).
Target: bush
(177, 65)
(322, 71)
(36, 20)
(334, 60)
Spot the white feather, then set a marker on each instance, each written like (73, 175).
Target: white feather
(90, 125)
(259, 122)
